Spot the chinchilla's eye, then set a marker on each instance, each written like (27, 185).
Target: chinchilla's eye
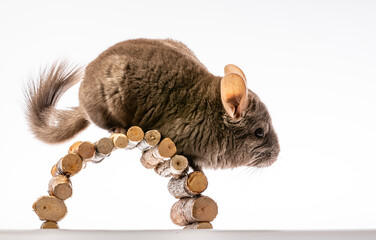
(259, 132)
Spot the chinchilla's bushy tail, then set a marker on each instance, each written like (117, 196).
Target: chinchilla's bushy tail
(49, 124)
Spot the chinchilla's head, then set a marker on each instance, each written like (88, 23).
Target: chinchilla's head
(251, 139)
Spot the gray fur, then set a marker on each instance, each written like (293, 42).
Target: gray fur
(46, 122)
(158, 84)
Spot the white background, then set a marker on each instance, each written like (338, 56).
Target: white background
(311, 62)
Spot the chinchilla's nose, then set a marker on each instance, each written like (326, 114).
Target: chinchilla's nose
(269, 157)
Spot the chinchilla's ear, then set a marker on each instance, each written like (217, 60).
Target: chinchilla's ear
(231, 68)
(234, 94)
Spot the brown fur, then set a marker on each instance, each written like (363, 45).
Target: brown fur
(156, 84)
(47, 123)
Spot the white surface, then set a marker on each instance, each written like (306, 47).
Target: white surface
(187, 235)
(311, 62)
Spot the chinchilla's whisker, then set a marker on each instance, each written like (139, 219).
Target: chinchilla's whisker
(251, 172)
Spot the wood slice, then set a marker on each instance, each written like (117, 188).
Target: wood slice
(191, 185)
(196, 182)
(86, 150)
(166, 148)
(151, 139)
(49, 225)
(148, 160)
(60, 187)
(69, 165)
(199, 225)
(176, 166)
(135, 135)
(120, 140)
(103, 148)
(179, 164)
(193, 209)
(50, 208)
(54, 171)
